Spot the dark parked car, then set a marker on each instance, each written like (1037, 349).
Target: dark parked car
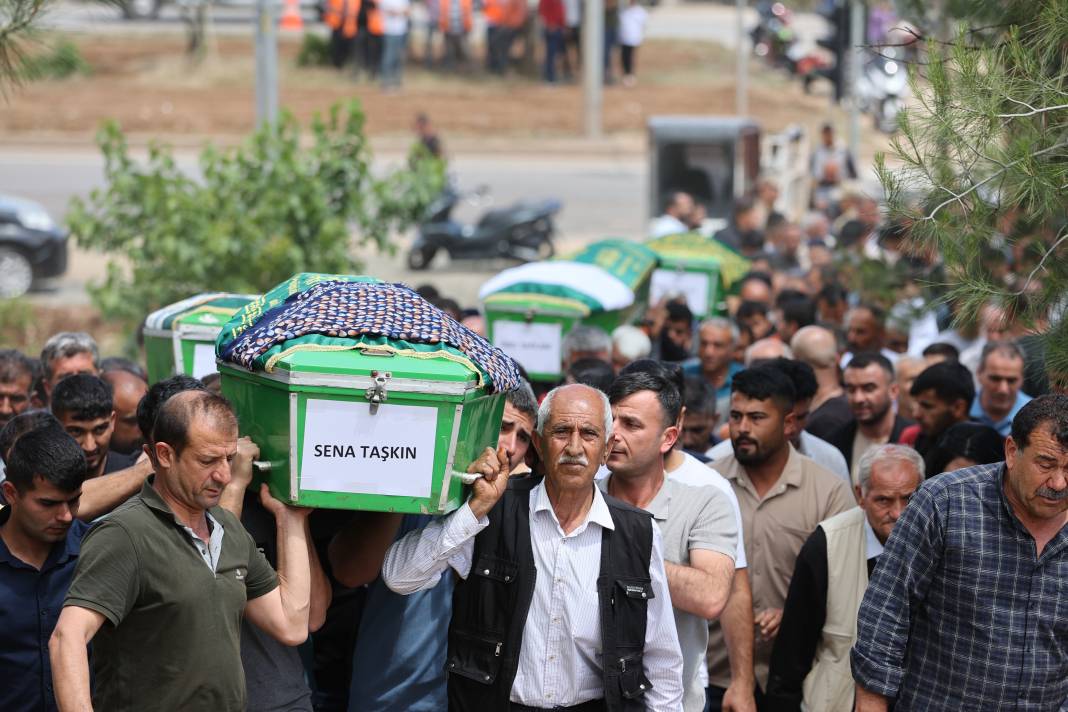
(32, 246)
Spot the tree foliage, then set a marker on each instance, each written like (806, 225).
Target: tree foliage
(254, 216)
(981, 164)
(18, 19)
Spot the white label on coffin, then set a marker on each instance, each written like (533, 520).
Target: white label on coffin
(536, 346)
(203, 360)
(673, 283)
(348, 449)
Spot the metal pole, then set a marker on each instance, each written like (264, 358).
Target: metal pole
(593, 65)
(856, 40)
(741, 59)
(266, 62)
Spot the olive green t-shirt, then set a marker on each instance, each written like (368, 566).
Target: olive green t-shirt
(172, 636)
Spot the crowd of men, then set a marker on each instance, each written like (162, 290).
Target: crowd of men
(801, 504)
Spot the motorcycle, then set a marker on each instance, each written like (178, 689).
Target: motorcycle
(523, 231)
(773, 38)
(882, 88)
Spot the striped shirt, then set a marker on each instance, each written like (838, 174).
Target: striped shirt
(960, 612)
(560, 660)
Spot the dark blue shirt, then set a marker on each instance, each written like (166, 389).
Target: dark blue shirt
(961, 613)
(30, 603)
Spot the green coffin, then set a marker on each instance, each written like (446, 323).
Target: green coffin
(531, 308)
(180, 338)
(695, 267)
(382, 428)
(631, 262)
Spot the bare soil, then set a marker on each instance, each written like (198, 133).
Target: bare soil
(149, 86)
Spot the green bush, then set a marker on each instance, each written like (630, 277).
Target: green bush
(314, 51)
(256, 215)
(60, 60)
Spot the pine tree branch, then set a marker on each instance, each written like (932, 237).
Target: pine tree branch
(1053, 248)
(959, 197)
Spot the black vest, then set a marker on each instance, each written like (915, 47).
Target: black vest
(490, 608)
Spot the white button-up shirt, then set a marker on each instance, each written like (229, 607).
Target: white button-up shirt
(560, 659)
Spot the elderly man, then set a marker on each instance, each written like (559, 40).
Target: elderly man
(697, 523)
(1000, 376)
(585, 342)
(716, 338)
(629, 343)
(783, 496)
(67, 353)
(585, 570)
(142, 571)
(810, 661)
(966, 609)
(404, 638)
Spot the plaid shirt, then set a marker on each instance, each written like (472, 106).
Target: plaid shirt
(960, 613)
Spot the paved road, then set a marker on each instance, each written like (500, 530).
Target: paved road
(671, 20)
(601, 196)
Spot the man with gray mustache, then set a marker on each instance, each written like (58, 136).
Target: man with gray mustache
(562, 601)
(968, 607)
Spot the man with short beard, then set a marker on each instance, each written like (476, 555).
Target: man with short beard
(871, 390)
(783, 496)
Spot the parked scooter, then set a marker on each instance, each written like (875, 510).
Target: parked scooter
(523, 231)
(882, 88)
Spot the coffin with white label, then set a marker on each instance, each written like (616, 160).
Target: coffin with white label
(378, 429)
(696, 268)
(180, 338)
(530, 309)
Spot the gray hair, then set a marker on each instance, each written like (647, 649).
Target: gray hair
(547, 404)
(66, 344)
(523, 400)
(718, 322)
(1008, 349)
(585, 338)
(631, 342)
(887, 453)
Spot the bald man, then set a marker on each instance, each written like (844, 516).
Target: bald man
(127, 391)
(765, 350)
(818, 347)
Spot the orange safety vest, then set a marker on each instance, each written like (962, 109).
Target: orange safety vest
(493, 10)
(342, 15)
(444, 15)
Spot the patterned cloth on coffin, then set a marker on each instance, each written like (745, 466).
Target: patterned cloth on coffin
(357, 309)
